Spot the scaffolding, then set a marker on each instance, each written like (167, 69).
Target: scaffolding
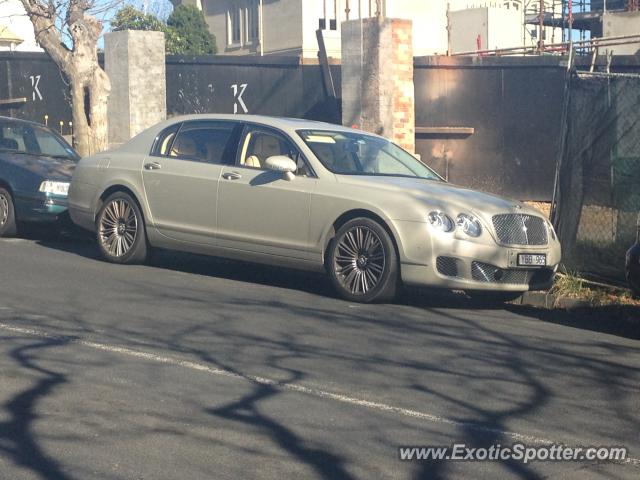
(558, 26)
(569, 19)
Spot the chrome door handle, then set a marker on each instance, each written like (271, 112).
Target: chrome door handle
(152, 166)
(231, 176)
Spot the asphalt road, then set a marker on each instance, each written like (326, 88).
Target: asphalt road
(192, 368)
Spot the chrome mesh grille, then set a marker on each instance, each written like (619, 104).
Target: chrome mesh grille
(448, 266)
(520, 229)
(484, 272)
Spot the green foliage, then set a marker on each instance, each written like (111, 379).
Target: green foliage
(130, 18)
(185, 32)
(194, 37)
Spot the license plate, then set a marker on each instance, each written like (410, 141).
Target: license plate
(532, 259)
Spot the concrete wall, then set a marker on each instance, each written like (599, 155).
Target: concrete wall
(497, 28)
(466, 27)
(619, 24)
(377, 78)
(135, 64)
(506, 28)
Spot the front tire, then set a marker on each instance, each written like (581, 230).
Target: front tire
(362, 262)
(8, 227)
(120, 230)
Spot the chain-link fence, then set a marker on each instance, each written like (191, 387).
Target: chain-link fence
(598, 195)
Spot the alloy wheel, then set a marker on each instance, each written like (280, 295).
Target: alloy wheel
(359, 261)
(118, 227)
(4, 209)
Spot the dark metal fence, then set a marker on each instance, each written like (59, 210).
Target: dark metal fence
(32, 87)
(514, 107)
(599, 181)
(267, 86)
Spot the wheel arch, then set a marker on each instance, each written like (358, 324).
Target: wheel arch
(358, 213)
(129, 190)
(4, 184)
(114, 188)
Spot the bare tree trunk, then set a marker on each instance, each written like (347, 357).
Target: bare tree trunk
(99, 89)
(80, 121)
(90, 85)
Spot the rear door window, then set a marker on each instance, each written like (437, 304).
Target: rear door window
(207, 142)
(12, 137)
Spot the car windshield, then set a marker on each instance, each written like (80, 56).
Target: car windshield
(28, 139)
(352, 153)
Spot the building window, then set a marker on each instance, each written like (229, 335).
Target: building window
(234, 28)
(329, 15)
(252, 21)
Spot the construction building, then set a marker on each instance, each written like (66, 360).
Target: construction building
(581, 20)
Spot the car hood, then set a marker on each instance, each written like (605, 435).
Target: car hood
(45, 167)
(441, 194)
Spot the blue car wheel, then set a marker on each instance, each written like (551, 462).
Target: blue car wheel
(7, 214)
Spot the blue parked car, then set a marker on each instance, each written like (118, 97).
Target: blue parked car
(633, 265)
(36, 165)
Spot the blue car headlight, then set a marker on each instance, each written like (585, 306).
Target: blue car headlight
(55, 188)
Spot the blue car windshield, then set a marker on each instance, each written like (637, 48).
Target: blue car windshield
(353, 153)
(28, 139)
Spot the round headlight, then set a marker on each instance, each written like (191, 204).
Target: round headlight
(469, 225)
(441, 221)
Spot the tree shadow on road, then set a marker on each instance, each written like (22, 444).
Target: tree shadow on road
(17, 437)
(247, 411)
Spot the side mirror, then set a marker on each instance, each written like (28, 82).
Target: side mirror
(281, 163)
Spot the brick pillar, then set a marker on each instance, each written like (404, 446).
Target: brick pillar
(135, 63)
(377, 78)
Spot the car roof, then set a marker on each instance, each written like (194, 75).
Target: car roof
(285, 123)
(20, 120)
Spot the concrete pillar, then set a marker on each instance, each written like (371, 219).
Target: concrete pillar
(377, 78)
(135, 63)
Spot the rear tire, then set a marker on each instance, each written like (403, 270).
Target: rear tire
(120, 230)
(362, 262)
(8, 227)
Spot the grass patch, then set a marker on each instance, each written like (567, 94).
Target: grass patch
(572, 286)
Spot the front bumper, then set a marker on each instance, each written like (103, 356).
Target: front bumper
(457, 263)
(40, 207)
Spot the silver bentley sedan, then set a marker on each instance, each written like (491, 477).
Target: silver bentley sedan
(312, 196)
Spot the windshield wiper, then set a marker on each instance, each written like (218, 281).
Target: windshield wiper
(61, 157)
(15, 152)
(34, 154)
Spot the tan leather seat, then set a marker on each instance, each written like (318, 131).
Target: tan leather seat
(184, 147)
(253, 161)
